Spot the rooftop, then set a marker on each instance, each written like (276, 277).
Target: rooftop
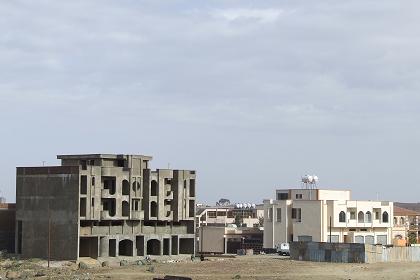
(102, 156)
(399, 211)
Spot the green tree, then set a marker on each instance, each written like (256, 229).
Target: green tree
(239, 220)
(412, 238)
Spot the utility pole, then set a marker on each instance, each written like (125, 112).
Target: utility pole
(330, 229)
(49, 235)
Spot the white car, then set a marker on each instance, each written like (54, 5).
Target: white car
(283, 249)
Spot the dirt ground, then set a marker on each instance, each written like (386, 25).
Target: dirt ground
(244, 267)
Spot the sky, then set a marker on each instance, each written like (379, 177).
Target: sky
(251, 94)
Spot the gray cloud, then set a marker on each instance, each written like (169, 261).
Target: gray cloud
(252, 94)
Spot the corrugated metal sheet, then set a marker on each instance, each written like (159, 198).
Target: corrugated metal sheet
(352, 253)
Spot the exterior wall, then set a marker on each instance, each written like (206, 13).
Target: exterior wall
(281, 230)
(7, 227)
(315, 194)
(311, 223)
(43, 193)
(211, 239)
(333, 195)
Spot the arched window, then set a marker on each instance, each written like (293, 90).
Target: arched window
(402, 221)
(125, 187)
(342, 217)
(154, 188)
(395, 221)
(385, 217)
(368, 217)
(360, 217)
(153, 209)
(136, 186)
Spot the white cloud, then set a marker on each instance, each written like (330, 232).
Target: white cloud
(260, 15)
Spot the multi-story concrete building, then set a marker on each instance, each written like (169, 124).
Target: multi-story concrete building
(324, 215)
(101, 205)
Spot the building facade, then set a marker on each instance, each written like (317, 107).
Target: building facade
(225, 215)
(230, 239)
(100, 205)
(405, 226)
(324, 215)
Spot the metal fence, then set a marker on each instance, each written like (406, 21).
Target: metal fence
(351, 253)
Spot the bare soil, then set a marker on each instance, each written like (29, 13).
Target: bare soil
(243, 267)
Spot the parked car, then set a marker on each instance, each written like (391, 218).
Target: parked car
(283, 249)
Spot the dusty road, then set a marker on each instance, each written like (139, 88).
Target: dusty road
(247, 267)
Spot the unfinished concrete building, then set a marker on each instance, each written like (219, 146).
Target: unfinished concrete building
(101, 205)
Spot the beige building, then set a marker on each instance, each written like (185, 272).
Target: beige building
(405, 223)
(306, 215)
(228, 240)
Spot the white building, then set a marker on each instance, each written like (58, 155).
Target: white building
(306, 214)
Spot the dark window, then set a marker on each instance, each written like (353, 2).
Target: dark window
(298, 196)
(91, 162)
(342, 217)
(192, 187)
(297, 214)
(125, 187)
(93, 181)
(282, 196)
(83, 164)
(120, 163)
(385, 217)
(83, 184)
(278, 215)
(154, 188)
(360, 217)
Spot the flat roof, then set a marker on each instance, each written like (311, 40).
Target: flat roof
(315, 189)
(101, 156)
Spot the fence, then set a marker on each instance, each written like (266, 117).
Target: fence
(352, 253)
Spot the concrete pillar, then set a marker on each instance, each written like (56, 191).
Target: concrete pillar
(103, 246)
(225, 240)
(134, 249)
(170, 246)
(161, 246)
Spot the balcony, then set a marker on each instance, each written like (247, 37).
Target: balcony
(169, 195)
(106, 216)
(137, 215)
(85, 231)
(105, 194)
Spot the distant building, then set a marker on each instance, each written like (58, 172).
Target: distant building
(101, 205)
(228, 240)
(7, 226)
(406, 223)
(225, 215)
(306, 214)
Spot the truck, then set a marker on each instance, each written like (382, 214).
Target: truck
(283, 249)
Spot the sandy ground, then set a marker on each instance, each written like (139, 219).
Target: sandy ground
(246, 267)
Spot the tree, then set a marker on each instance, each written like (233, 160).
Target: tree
(223, 202)
(412, 238)
(260, 221)
(239, 220)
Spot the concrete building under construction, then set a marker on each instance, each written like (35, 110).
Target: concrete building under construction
(101, 205)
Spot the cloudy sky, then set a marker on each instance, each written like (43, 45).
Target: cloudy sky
(251, 94)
